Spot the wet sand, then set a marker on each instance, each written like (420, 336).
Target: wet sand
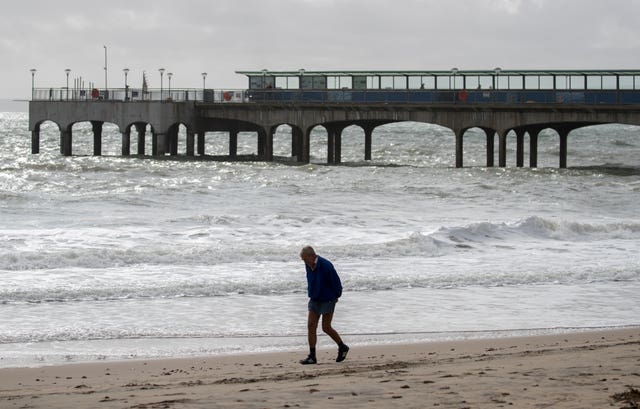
(599, 369)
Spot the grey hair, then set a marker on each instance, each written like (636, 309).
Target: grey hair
(307, 251)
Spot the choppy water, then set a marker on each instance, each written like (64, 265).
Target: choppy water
(110, 258)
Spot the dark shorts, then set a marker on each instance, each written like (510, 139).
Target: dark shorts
(322, 307)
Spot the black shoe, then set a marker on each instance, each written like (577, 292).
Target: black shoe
(310, 360)
(342, 353)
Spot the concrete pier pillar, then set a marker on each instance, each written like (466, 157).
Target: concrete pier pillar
(154, 143)
(533, 148)
(564, 133)
(172, 141)
(334, 144)
(459, 148)
(520, 147)
(190, 143)
(35, 140)
(297, 144)
(490, 147)
(96, 127)
(126, 142)
(233, 143)
(330, 147)
(368, 131)
(160, 144)
(141, 129)
(262, 137)
(305, 146)
(200, 146)
(268, 146)
(66, 141)
(502, 149)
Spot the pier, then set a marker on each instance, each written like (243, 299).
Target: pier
(506, 105)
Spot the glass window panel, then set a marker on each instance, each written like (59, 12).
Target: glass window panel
(531, 82)
(609, 82)
(626, 82)
(386, 82)
(594, 82)
(577, 82)
(414, 82)
(400, 82)
(546, 82)
(472, 82)
(429, 82)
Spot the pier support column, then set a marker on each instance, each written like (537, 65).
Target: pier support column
(126, 142)
(533, 148)
(160, 144)
(65, 141)
(490, 146)
(268, 145)
(200, 139)
(502, 149)
(368, 131)
(233, 143)
(564, 133)
(304, 149)
(262, 137)
(154, 143)
(305, 146)
(141, 129)
(96, 126)
(35, 140)
(459, 148)
(190, 143)
(334, 144)
(172, 141)
(519, 147)
(297, 144)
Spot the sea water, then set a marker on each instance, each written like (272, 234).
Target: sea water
(115, 258)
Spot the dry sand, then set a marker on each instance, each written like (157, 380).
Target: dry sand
(580, 370)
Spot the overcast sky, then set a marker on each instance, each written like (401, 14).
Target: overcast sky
(188, 37)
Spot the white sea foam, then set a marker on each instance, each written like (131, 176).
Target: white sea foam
(146, 257)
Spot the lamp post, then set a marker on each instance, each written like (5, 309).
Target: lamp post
(33, 81)
(497, 70)
(126, 87)
(161, 77)
(454, 71)
(204, 79)
(301, 71)
(169, 75)
(106, 88)
(264, 78)
(67, 71)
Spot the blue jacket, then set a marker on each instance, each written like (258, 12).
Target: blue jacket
(323, 284)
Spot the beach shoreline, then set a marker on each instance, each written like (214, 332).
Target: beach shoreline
(584, 369)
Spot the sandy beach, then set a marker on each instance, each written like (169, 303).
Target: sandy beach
(579, 370)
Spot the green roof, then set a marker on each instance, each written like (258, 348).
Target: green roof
(505, 72)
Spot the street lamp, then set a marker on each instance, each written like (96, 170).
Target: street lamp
(264, 78)
(169, 75)
(454, 71)
(301, 71)
(33, 79)
(204, 78)
(497, 70)
(161, 76)
(126, 87)
(67, 71)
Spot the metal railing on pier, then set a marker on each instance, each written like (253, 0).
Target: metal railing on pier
(138, 94)
(346, 96)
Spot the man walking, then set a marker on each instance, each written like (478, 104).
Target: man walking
(324, 288)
